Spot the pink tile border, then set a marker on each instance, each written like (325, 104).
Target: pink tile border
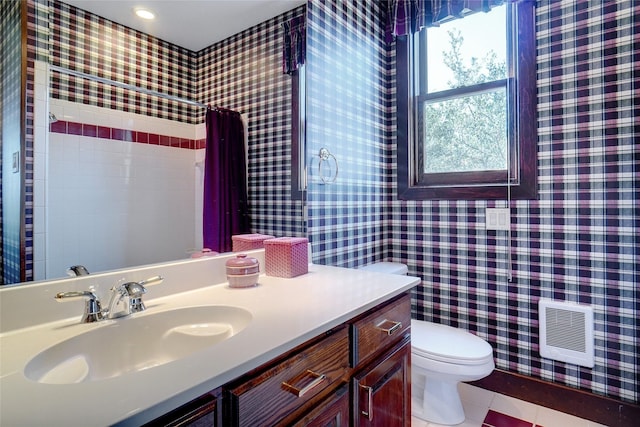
(94, 131)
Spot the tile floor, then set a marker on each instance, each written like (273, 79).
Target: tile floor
(485, 408)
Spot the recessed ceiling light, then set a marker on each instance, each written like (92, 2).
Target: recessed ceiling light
(144, 13)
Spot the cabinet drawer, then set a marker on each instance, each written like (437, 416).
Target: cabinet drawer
(268, 396)
(380, 329)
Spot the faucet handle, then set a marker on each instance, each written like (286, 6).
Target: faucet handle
(134, 289)
(77, 270)
(155, 280)
(92, 310)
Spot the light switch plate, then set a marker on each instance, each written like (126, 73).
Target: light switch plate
(497, 219)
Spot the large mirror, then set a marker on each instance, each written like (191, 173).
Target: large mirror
(154, 191)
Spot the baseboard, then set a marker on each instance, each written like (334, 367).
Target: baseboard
(603, 410)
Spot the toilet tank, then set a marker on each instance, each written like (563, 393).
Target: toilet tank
(387, 267)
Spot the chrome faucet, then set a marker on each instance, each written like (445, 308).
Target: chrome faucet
(77, 270)
(126, 298)
(92, 309)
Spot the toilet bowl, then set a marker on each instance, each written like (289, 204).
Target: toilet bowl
(441, 357)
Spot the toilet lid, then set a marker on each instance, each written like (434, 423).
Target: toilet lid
(448, 344)
(386, 267)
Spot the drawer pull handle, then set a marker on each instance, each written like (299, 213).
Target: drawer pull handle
(317, 379)
(369, 412)
(389, 326)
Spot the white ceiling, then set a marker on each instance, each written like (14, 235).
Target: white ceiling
(193, 24)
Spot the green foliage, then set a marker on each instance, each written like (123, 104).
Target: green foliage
(467, 133)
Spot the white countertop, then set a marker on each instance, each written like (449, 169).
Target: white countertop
(286, 313)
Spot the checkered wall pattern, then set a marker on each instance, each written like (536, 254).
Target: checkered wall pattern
(580, 240)
(577, 242)
(347, 113)
(88, 43)
(10, 67)
(244, 73)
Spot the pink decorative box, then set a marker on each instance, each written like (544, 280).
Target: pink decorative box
(286, 256)
(246, 242)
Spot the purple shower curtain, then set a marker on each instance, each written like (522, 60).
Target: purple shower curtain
(225, 210)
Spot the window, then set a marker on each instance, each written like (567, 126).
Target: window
(466, 107)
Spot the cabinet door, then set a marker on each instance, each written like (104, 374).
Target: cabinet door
(382, 391)
(332, 412)
(201, 412)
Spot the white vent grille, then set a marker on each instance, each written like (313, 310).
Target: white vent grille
(566, 332)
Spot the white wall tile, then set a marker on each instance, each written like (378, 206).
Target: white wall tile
(92, 114)
(70, 113)
(200, 131)
(39, 270)
(40, 132)
(87, 114)
(96, 192)
(132, 205)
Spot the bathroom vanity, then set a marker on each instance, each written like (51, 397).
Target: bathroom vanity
(333, 344)
(362, 364)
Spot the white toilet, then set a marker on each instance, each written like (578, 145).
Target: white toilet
(441, 357)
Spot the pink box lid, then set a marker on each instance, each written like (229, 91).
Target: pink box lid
(251, 237)
(286, 241)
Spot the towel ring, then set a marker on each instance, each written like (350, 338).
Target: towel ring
(325, 157)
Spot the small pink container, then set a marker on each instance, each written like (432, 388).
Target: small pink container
(286, 256)
(246, 242)
(242, 271)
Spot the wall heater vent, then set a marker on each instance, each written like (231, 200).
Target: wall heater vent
(566, 332)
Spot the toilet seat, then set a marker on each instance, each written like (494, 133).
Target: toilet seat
(447, 344)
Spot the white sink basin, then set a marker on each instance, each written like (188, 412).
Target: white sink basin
(136, 343)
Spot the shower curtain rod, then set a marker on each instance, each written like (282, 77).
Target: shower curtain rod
(125, 86)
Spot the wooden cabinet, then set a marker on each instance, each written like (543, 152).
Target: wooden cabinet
(382, 391)
(201, 412)
(357, 373)
(381, 355)
(271, 395)
(332, 412)
(379, 329)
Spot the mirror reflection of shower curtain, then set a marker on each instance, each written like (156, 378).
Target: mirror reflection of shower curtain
(225, 204)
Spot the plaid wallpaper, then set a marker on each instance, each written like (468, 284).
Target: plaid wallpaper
(244, 73)
(10, 194)
(88, 43)
(578, 242)
(347, 113)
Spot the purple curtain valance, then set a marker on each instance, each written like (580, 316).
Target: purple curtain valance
(410, 16)
(294, 46)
